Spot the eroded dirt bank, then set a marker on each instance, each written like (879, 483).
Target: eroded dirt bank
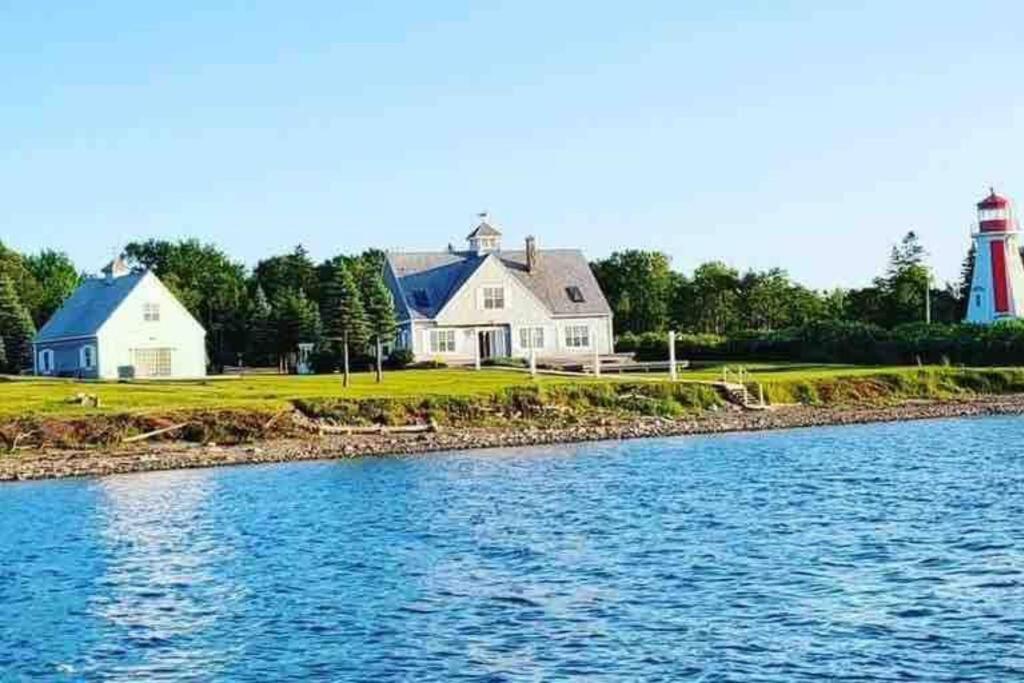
(164, 455)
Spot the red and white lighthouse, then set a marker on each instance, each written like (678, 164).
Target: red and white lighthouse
(997, 287)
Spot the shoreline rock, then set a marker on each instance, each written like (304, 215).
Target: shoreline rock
(59, 464)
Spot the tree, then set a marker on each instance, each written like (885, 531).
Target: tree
(260, 328)
(963, 288)
(906, 282)
(638, 286)
(343, 313)
(3, 355)
(710, 301)
(380, 314)
(57, 279)
(16, 328)
(294, 272)
(209, 284)
(26, 285)
(294, 320)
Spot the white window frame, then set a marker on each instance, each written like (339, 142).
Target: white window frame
(442, 341)
(151, 312)
(87, 357)
(45, 360)
(494, 297)
(577, 336)
(531, 338)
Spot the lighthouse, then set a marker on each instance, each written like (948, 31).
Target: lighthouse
(997, 286)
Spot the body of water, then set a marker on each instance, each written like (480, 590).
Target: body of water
(879, 552)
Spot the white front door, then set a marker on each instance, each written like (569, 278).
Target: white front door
(152, 362)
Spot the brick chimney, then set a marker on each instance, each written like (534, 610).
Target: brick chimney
(531, 253)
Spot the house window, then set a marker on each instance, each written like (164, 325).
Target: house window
(531, 337)
(87, 357)
(46, 361)
(494, 298)
(575, 294)
(577, 336)
(442, 341)
(152, 362)
(151, 312)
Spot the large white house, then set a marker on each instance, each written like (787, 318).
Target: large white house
(124, 324)
(485, 302)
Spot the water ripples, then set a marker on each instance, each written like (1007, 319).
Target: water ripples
(874, 552)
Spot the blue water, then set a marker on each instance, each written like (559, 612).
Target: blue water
(881, 552)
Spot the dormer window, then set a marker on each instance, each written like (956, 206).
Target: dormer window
(420, 298)
(151, 312)
(575, 294)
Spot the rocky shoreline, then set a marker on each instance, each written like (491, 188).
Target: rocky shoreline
(57, 463)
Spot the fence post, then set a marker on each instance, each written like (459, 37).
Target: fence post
(672, 356)
(476, 337)
(533, 361)
(597, 360)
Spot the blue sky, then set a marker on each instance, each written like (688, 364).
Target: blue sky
(759, 133)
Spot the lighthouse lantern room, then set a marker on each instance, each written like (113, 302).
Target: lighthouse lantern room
(997, 286)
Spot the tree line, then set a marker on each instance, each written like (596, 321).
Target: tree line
(647, 296)
(259, 316)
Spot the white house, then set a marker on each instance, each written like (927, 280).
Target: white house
(485, 302)
(125, 324)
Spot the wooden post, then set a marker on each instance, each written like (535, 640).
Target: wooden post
(673, 375)
(597, 360)
(476, 337)
(533, 361)
(760, 394)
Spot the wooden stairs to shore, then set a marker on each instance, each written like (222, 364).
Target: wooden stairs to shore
(737, 392)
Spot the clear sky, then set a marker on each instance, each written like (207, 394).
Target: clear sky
(806, 135)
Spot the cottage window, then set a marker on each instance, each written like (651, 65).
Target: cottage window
(531, 337)
(46, 361)
(151, 312)
(577, 336)
(87, 359)
(442, 341)
(494, 298)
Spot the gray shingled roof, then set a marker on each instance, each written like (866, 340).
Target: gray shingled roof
(88, 308)
(441, 274)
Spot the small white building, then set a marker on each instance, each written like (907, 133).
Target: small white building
(123, 325)
(485, 302)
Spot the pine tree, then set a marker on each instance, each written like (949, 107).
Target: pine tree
(380, 314)
(261, 333)
(16, 328)
(344, 318)
(963, 289)
(294, 320)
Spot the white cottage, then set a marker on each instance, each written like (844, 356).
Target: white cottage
(125, 324)
(457, 306)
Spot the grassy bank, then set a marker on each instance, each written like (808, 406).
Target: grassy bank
(37, 412)
(815, 386)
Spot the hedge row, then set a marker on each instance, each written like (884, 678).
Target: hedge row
(847, 342)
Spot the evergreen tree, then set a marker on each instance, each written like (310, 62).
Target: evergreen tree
(261, 328)
(343, 314)
(294, 321)
(3, 355)
(380, 314)
(963, 288)
(16, 328)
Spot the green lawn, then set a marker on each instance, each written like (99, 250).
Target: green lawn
(49, 397)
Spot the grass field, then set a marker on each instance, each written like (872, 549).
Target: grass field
(784, 383)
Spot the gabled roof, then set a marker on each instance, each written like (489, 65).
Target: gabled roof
(89, 307)
(440, 275)
(437, 275)
(485, 229)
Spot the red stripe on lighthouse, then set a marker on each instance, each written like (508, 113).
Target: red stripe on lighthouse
(999, 283)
